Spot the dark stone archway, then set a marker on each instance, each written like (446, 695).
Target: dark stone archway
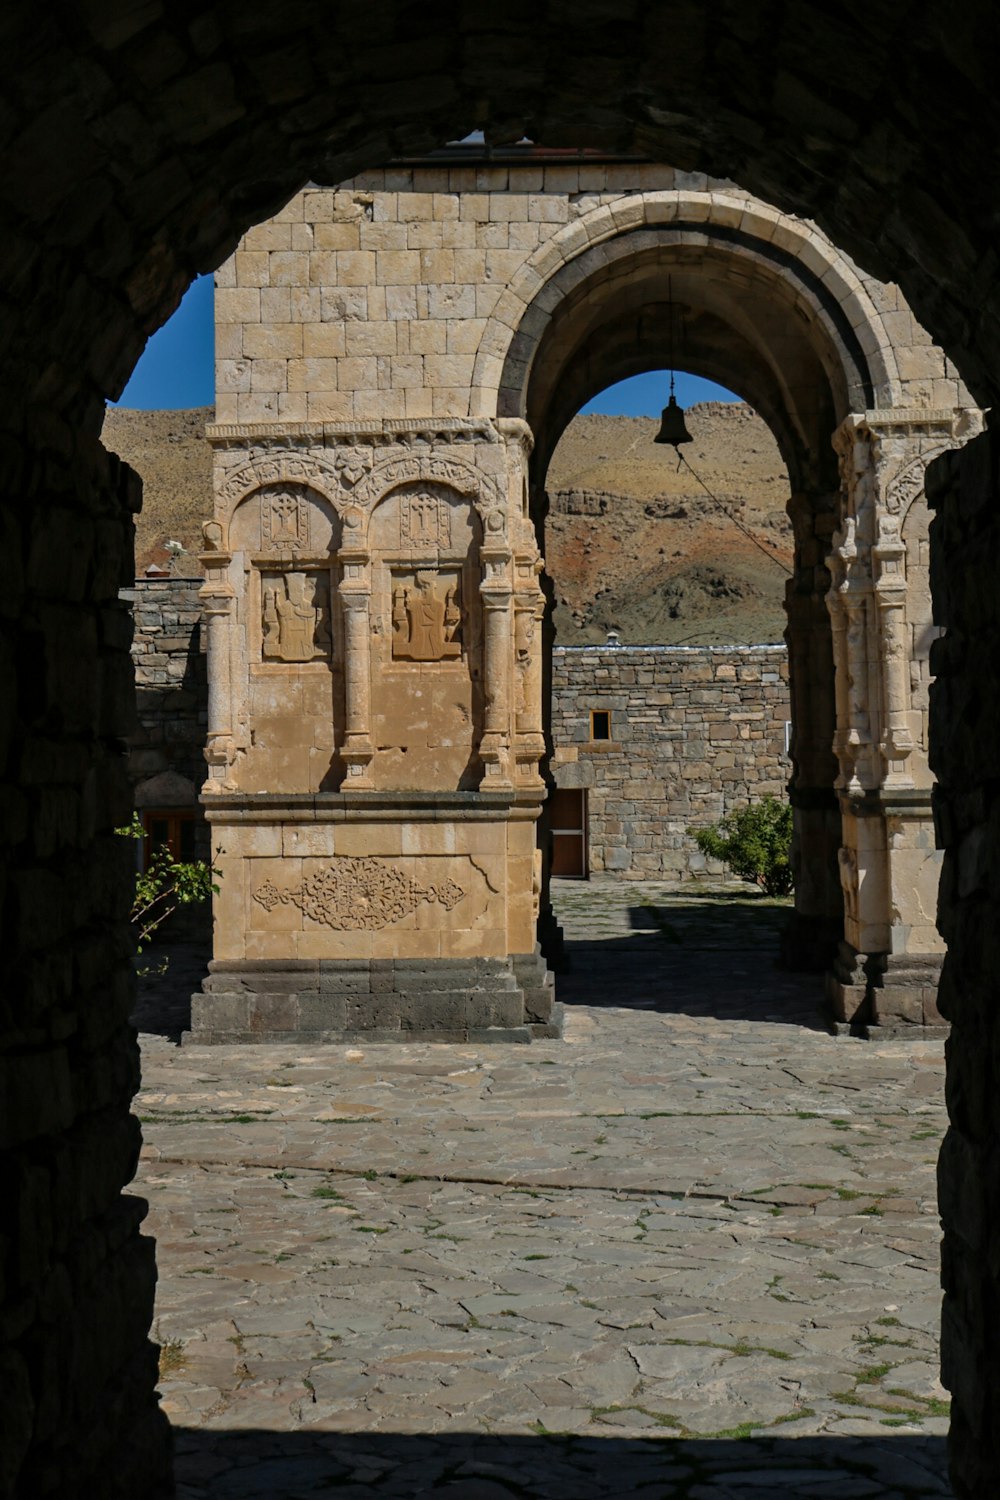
(138, 142)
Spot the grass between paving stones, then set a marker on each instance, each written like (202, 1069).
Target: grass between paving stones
(677, 1428)
(740, 1348)
(210, 1117)
(172, 1357)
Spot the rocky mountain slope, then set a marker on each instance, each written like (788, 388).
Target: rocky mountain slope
(633, 543)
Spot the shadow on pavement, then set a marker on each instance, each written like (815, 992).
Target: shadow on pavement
(174, 970)
(715, 957)
(259, 1465)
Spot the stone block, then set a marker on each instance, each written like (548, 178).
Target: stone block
(324, 1011)
(373, 1012)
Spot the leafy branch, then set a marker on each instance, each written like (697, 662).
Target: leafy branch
(163, 886)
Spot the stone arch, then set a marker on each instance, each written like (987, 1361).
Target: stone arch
(267, 496)
(305, 472)
(795, 250)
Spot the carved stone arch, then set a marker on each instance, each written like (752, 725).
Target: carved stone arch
(908, 483)
(288, 516)
(481, 489)
(302, 469)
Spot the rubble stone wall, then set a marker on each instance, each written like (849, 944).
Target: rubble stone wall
(696, 732)
(171, 688)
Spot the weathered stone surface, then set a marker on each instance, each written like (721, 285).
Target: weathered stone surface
(696, 1215)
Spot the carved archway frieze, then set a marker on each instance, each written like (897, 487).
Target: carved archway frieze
(480, 488)
(301, 470)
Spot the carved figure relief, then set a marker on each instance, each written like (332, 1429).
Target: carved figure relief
(284, 519)
(427, 615)
(295, 616)
(359, 893)
(425, 521)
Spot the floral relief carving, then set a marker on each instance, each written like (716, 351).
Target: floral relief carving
(359, 894)
(300, 469)
(353, 465)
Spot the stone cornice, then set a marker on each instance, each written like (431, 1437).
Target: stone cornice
(950, 422)
(378, 433)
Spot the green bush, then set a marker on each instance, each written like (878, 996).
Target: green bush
(165, 885)
(756, 844)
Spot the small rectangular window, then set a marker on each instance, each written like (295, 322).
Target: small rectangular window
(600, 724)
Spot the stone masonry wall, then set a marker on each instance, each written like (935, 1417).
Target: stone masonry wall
(963, 489)
(394, 295)
(166, 761)
(171, 684)
(696, 731)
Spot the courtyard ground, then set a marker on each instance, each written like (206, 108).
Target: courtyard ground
(690, 1250)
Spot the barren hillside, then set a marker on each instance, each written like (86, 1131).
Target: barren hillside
(632, 542)
(169, 450)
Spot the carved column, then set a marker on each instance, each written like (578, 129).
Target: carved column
(896, 740)
(355, 602)
(498, 652)
(529, 610)
(886, 967)
(218, 595)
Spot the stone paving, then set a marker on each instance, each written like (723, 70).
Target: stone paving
(691, 1250)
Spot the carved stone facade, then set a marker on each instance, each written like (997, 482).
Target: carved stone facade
(397, 358)
(374, 728)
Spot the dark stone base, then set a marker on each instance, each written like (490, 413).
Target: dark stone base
(376, 1000)
(551, 944)
(879, 994)
(809, 943)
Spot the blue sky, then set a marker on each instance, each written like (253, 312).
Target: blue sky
(176, 370)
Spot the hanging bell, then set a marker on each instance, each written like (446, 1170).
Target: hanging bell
(672, 428)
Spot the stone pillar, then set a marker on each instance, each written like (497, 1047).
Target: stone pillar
(896, 744)
(355, 603)
(375, 800)
(498, 653)
(964, 492)
(815, 926)
(217, 598)
(886, 967)
(529, 609)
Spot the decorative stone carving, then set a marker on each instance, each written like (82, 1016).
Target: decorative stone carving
(427, 469)
(353, 465)
(295, 616)
(425, 521)
(427, 615)
(284, 519)
(308, 470)
(358, 894)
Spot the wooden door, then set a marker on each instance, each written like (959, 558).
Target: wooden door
(568, 825)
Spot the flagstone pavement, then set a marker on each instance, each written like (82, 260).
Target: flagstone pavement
(688, 1250)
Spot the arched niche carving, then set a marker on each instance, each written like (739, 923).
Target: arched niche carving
(284, 518)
